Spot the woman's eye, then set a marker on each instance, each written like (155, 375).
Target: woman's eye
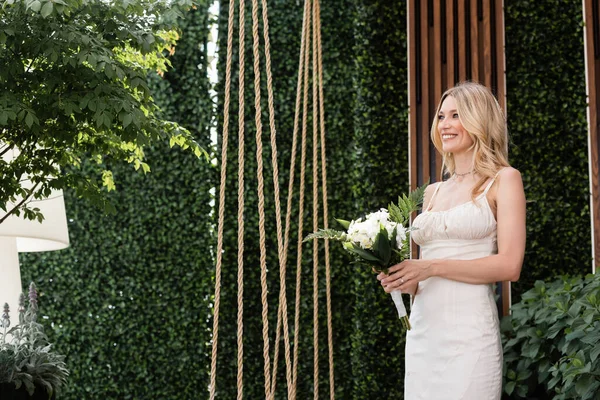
(455, 116)
(440, 117)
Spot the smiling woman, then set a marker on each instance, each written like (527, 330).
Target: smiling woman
(471, 234)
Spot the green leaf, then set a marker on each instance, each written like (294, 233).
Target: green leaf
(127, 120)
(29, 120)
(595, 352)
(35, 6)
(416, 196)
(47, 9)
(345, 224)
(531, 351)
(575, 335)
(510, 387)
(364, 254)
(381, 246)
(584, 384)
(107, 180)
(591, 337)
(512, 375)
(331, 234)
(554, 330)
(523, 374)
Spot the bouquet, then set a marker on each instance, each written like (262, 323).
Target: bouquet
(379, 240)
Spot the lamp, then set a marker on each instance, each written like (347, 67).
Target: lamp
(18, 235)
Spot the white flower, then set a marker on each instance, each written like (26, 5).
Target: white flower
(363, 232)
(400, 235)
(383, 218)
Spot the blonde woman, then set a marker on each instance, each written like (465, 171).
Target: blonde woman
(471, 234)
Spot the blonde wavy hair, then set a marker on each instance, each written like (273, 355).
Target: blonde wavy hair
(483, 119)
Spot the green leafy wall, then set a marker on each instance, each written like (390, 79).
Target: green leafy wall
(128, 301)
(545, 76)
(381, 153)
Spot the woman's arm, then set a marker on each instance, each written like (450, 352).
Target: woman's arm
(504, 266)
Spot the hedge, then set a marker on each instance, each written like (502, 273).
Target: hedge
(547, 121)
(552, 341)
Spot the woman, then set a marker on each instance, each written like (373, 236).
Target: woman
(471, 234)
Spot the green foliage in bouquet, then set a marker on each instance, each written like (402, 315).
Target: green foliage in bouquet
(552, 341)
(27, 359)
(382, 252)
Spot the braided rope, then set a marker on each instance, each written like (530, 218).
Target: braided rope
(213, 364)
(261, 201)
(324, 192)
(282, 245)
(307, 18)
(241, 144)
(315, 165)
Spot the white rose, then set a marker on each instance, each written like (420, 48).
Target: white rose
(382, 216)
(363, 232)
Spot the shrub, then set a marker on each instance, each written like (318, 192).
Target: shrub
(26, 357)
(552, 341)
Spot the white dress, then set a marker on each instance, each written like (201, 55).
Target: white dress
(453, 350)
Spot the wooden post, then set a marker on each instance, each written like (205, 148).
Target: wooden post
(591, 17)
(450, 41)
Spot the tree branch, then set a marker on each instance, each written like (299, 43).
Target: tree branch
(15, 208)
(8, 148)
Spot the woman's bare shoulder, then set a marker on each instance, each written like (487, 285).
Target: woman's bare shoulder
(510, 185)
(429, 190)
(510, 175)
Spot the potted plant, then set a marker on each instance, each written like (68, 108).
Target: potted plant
(29, 369)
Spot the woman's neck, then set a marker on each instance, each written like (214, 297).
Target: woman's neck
(463, 163)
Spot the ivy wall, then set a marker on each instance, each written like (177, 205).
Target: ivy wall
(545, 76)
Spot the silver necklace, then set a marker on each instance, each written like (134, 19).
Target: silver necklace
(463, 175)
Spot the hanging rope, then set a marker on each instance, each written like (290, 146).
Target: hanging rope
(315, 165)
(215, 333)
(319, 54)
(283, 304)
(241, 145)
(311, 12)
(261, 202)
(304, 66)
(282, 243)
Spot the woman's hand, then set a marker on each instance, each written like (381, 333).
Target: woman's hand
(406, 276)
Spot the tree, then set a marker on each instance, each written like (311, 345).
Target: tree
(73, 86)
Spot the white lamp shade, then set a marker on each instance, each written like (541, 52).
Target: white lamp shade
(51, 234)
(31, 235)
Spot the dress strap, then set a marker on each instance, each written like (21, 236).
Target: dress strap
(437, 187)
(489, 185)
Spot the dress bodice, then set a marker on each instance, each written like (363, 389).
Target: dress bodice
(465, 231)
(467, 221)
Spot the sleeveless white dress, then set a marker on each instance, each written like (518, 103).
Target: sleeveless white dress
(453, 351)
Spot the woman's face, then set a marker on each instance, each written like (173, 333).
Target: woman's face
(455, 138)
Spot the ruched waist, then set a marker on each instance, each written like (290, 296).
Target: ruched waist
(459, 249)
